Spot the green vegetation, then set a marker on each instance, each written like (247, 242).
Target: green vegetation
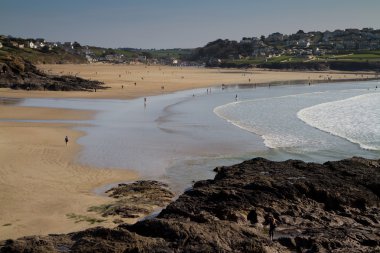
(102, 52)
(169, 53)
(100, 209)
(80, 218)
(373, 56)
(324, 49)
(261, 60)
(56, 55)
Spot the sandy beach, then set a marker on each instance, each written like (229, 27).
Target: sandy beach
(132, 81)
(40, 183)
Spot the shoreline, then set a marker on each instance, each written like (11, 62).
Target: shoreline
(83, 196)
(301, 82)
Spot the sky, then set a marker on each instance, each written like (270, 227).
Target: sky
(160, 24)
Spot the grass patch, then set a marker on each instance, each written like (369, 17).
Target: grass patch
(100, 209)
(56, 55)
(79, 218)
(371, 56)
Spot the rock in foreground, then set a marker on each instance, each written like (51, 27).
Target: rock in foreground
(136, 199)
(332, 207)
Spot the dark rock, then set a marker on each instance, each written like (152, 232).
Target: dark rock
(17, 73)
(135, 199)
(331, 207)
(287, 242)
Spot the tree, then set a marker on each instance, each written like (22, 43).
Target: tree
(76, 45)
(45, 49)
(147, 55)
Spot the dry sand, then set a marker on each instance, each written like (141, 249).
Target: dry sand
(150, 79)
(40, 183)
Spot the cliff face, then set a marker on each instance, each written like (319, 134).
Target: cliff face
(16, 73)
(331, 207)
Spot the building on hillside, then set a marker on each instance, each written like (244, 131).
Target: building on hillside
(349, 45)
(375, 44)
(304, 43)
(51, 45)
(14, 44)
(141, 58)
(291, 43)
(31, 44)
(68, 45)
(90, 59)
(40, 44)
(262, 51)
(1, 45)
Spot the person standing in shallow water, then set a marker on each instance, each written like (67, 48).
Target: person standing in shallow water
(66, 140)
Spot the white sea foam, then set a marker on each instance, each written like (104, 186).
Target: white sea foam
(356, 119)
(274, 119)
(340, 113)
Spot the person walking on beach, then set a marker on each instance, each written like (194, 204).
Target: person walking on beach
(272, 226)
(66, 140)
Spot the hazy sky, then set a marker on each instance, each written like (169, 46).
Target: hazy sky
(177, 23)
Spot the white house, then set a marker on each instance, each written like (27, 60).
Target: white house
(14, 43)
(32, 45)
(304, 43)
(1, 45)
(141, 58)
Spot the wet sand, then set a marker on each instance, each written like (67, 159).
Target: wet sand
(40, 183)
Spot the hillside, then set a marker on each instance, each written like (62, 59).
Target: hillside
(41, 54)
(349, 49)
(17, 73)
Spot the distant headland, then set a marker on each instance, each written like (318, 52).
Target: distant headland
(348, 49)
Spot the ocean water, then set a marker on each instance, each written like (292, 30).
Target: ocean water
(355, 119)
(181, 137)
(350, 116)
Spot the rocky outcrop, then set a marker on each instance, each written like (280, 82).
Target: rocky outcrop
(136, 199)
(16, 73)
(331, 207)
